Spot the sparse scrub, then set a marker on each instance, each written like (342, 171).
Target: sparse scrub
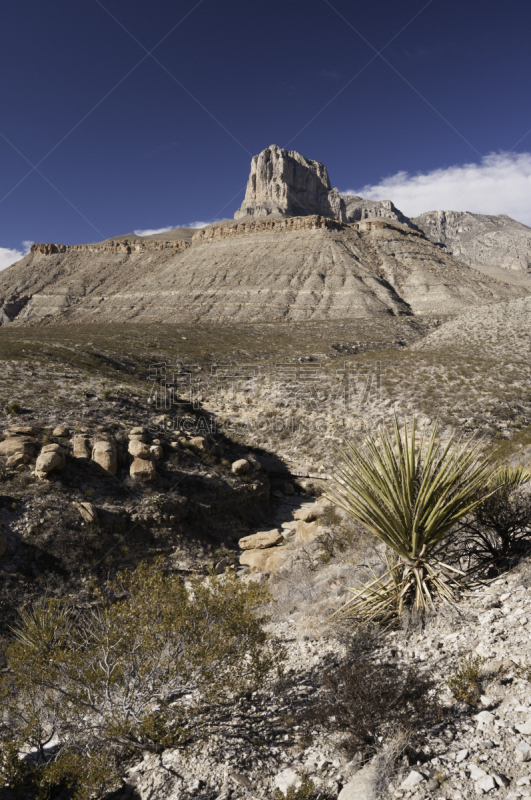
(465, 683)
(368, 703)
(13, 407)
(500, 527)
(114, 681)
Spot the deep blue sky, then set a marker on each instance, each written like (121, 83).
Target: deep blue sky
(150, 155)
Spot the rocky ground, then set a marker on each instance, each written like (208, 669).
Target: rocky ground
(105, 462)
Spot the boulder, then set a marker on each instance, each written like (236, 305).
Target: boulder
(261, 540)
(17, 444)
(80, 447)
(13, 462)
(289, 489)
(142, 469)
(361, 786)
(268, 560)
(139, 431)
(87, 511)
(308, 514)
(60, 431)
(306, 531)
(156, 451)
(139, 449)
(23, 430)
(240, 467)
(199, 442)
(105, 456)
(50, 459)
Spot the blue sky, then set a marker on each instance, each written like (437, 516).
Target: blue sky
(425, 103)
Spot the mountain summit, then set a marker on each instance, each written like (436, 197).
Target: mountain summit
(283, 183)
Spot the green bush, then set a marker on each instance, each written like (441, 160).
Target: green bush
(121, 678)
(13, 407)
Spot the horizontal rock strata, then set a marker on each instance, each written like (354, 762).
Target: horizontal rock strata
(298, 268)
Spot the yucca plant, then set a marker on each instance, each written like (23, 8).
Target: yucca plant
(410, 496)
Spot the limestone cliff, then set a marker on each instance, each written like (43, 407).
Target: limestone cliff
(286, 184)
(480, 240)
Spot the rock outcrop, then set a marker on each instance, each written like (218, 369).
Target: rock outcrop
(286, 184)
(480, 240)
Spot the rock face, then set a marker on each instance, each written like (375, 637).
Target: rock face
(286, 184)
(480, 240)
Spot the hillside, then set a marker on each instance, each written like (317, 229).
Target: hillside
(274, 269)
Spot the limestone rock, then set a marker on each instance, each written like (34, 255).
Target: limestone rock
(309, 513)
(15, 445)
(142, 469)
(286, 184)
(361, 786)
(482, 241)
(23, 430)
(51, 459)
(105, 456)
(60, 431)
(306, 531)
(17, 460)
(286, 779)
(139, 449)
(87, 511)
(80, 447)
(339, 257)
(261, 540)
(199, 442)
(240, 467)
(156, 451)
(268, 560)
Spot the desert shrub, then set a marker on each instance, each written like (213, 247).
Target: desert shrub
(306, 791)
(13, 407)
(368, 703)
(500, 527)
(130, 674)
(465, 683)
(337, 536)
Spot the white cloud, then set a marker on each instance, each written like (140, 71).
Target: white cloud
(150, 231)
(499, 184)
(198, 224)
(9, 256)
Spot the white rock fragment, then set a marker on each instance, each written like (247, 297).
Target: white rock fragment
(522, 752)
(413, 779)
(287, 778)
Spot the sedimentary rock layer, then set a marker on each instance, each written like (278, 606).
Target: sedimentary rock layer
(273, 269)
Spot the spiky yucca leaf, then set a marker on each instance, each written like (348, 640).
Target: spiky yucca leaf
(511, 477)
(409, 496)
(41, 626)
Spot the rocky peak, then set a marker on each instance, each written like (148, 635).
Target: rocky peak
(286, 184)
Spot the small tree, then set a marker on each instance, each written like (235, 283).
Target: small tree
(409, 496)
(127, 676)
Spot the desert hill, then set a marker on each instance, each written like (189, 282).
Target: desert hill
(296, 268)
(297, 250)
(496, 245)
